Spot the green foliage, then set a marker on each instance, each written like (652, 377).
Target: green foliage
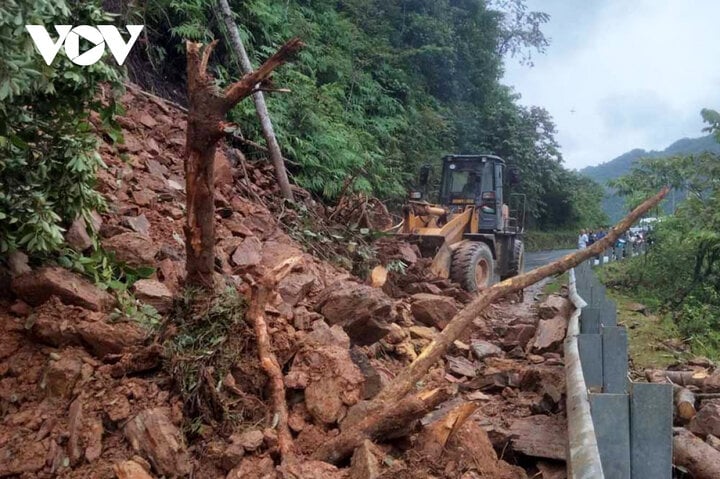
(622, 165)
(683, 267)
(386, 86)
(117, 277)
(48, 156)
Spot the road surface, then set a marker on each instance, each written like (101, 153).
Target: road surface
(541, 258)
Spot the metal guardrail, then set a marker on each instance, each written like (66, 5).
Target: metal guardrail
(583, 454)
(617, 429)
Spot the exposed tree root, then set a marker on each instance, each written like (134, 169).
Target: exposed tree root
(261, 291)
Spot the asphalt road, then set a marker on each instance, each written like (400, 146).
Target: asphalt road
(541, 258)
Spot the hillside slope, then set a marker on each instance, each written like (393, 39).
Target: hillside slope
(617, 167)
(89, 392)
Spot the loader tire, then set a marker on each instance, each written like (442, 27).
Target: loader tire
(473, 266)
(517, 262)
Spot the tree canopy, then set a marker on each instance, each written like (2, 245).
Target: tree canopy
(683, 267)
(386, 86)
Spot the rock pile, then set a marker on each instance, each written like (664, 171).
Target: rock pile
(83, 392)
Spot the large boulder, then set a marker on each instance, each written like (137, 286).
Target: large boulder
(554, 305)
(132, 248)
(77, 236)
(153, 435)
(38, 286)
(433, 310)
(550, 334)
(61, 376)
(154, 293)
(324, 369)
(295, 286)
(248, 253)
(60, 325)
(363, 312)
(130, 470)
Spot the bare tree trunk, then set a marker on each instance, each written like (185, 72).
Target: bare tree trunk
(259, 99)
(208, 107)
(380, 407)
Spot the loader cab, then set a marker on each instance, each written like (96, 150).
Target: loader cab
(474, 180)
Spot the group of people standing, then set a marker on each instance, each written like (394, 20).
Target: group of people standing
(588, 237)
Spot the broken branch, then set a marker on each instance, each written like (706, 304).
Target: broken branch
(399, 414)
(245, 86)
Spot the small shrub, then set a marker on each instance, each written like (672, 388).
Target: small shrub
(48, 156)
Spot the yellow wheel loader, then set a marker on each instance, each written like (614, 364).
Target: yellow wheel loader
(473, 237)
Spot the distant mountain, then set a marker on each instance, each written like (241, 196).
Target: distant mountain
(613, 205)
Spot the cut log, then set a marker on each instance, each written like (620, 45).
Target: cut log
(707, 420)
(685, 403)
(690, 452)
(383, 406)
(206, 124)
(699, 379)
(713, 441)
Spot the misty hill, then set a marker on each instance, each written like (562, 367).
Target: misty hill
(614, 205)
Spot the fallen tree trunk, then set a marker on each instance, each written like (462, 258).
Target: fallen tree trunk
(259, 99)
(685, 403)
(399, 414)
(407, 380)
(206, 122)
(690, 452)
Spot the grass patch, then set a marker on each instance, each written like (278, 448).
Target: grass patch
(651, 336)
(654, 339)
(555, 284)
(209, 340)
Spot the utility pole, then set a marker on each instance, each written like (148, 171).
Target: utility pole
(259, 100)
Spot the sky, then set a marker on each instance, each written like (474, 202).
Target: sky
(623, 74)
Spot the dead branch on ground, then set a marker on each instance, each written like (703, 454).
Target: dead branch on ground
(261, 293)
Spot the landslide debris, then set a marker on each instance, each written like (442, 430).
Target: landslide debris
(89, 393)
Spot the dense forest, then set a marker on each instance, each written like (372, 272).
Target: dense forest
(384, 87)
(380, 89)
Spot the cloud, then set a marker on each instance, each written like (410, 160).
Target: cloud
(621, 75)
